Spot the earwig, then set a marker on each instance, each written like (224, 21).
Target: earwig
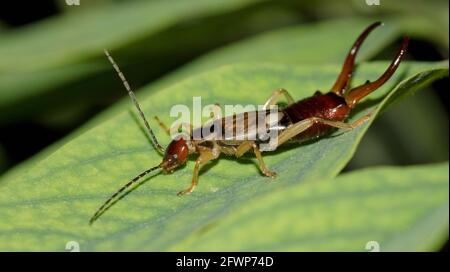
(299, 121)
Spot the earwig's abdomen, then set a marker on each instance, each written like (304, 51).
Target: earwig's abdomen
(327, 106)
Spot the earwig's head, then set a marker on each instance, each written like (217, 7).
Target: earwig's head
(176, 155)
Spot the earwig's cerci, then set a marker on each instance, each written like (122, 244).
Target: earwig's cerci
(306, 119)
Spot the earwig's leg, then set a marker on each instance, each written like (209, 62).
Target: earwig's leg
(303, 125)
(162, 125)
(194, 179)
(294, 130)
(358, 93)
(243, 148)
(343, 125)
(275, 95)
(167, 129)
(246, 146)
(261, 163)
(184, 126)
(206, 155)
(347, 69)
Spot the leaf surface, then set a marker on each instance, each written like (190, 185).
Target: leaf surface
(51, 203)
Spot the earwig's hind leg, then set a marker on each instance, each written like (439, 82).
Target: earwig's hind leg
(343, 125)
(358, 93)
(206, 155)
(275, 95)
(294, 130)
(246, 146)
(162, 125)
(347, 69)
(261, 163)
(303, 125)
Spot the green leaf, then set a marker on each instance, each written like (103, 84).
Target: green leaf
(398, 208)
(50, 204)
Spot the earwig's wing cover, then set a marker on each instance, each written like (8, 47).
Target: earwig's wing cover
(243, 126)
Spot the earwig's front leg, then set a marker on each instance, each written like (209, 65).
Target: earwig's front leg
(275, 95)
(303, 125)
(162, 125)
(194, 179)
(206, 155)
(167, 129)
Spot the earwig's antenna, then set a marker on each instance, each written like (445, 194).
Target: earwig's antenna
(135, 102)
(104, 207)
